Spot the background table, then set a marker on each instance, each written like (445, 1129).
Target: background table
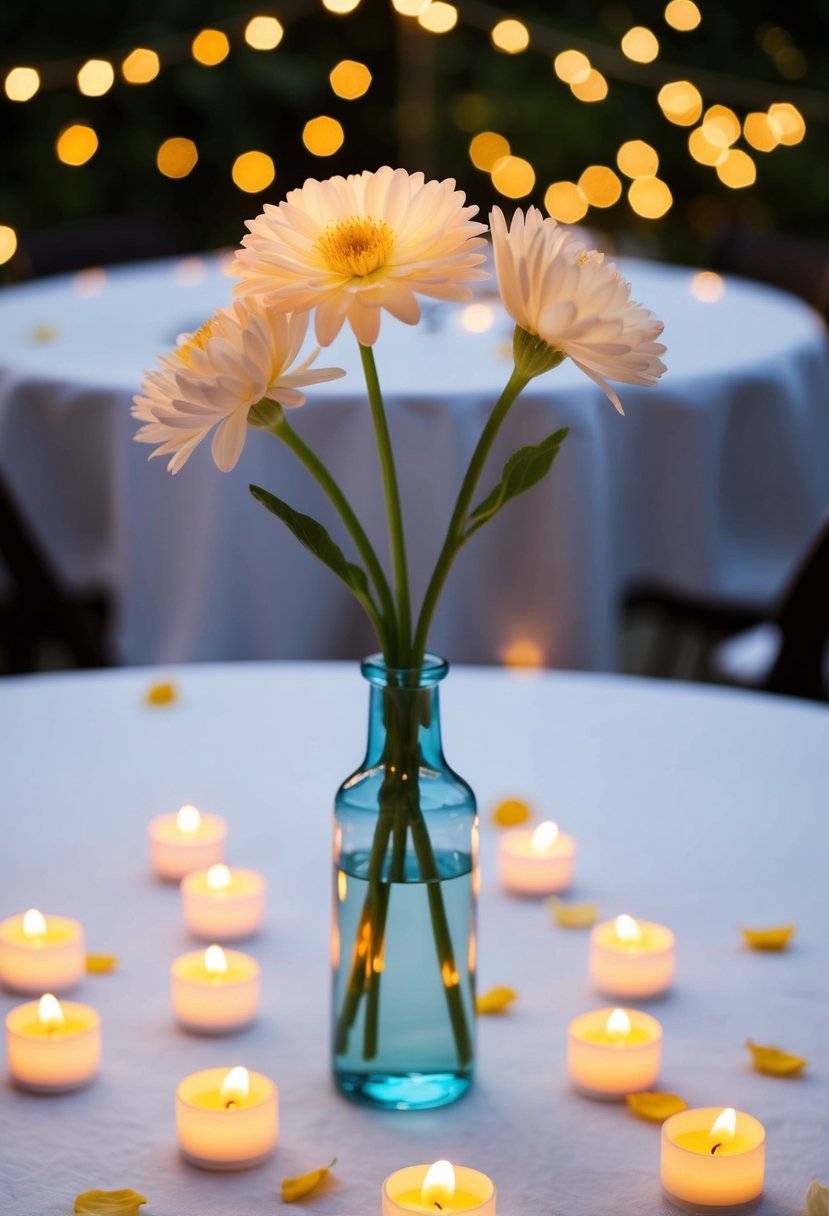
(713, 483)
(701, 809)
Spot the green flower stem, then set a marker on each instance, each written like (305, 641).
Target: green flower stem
(395, 516)
(385, 620)
(454, 533)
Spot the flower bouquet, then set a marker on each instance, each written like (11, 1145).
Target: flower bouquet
(345, 249)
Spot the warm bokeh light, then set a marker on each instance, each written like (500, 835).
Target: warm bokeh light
(592, 87)
(140, 66)
(96, 77)
(640, 44)
(757, 131)
(340, 6)
(635, 158)
(680, 102)
(21, 84)
(649, 197)
(787, 123)
(707, 286)
(176, 157)
(8, 243)
(439, 17)
(721, 126)
(683, 15)
(350, 79)
(791, 63)
(188, 818)
(323, 136)
(410, 8)
(571, 65)
(486, 149)
(513, 176)
(210, 47)
(524, 654)
(600, 186)
(565, 202)
(89, 282)
(477, 318)
(77, 144)
(510, 36)
(253, 171)
(703, 150)
(737, 169)
(263, 33)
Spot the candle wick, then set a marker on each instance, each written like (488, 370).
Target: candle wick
(231, 1104)
(714, 1149)
(438, 1206)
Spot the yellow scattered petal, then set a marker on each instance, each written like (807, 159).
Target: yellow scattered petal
(494, 1002)
(574, 916)
(817, 1199)
(304, 1184)
(162, 694)
(109, 1203)
(655, 1106)
(510, 813)
(776, 938)
(99, 964)
(775, 1062)
(42, 335)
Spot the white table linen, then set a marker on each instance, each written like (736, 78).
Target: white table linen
(713, 483)
(701, 809)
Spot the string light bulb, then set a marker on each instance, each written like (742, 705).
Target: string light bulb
(140, 66)
(76, 144)
(323, 136)
(640, 44)
(513, 176)
(210, 47)
(253, 171)
(96, 77)
(350, 79)
(510, 36)
(177, 157)
(8, 243)
(439, 17)
(565, 202)
(21, 84)
(486, 148)
(263, 33)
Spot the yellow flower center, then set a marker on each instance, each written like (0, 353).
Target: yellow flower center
(197, 341)
(356, 246)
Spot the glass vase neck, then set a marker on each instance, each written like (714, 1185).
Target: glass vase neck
(380, 674)
(404, 713)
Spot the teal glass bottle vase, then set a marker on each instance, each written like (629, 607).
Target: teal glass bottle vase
(405, 882)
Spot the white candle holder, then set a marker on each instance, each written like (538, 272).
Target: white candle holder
(526, 867)
(696, 1179)
(634, 968)
(183, 842)
(215, 1002)
(226, 912)
(215, 1136)
(606, 1066)
(56, 1060)
(476, 1189)
(52, 961)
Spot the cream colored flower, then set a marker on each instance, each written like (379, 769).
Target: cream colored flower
(349, 247)
(240, 356)
(574, 301)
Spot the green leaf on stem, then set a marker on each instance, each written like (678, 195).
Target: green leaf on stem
(522, 471)
(316, 539)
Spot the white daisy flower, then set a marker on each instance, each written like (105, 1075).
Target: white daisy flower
(575, 301)
(350, 247)
(212, 379)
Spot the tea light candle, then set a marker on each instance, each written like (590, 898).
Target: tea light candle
(536, 863)
(215, 991)
(223, 904)
(632, 957)
(713, 1160)
(51, 1047)
(438, 1188)
(612, 1052)
(188, 840)
(40, 954)
(226, 1119)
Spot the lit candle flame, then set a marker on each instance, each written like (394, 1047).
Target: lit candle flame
(544, 837)
(627, 929)
(235, 1087)
(34, 923)
(438, 1185)
(218, 877)
(49, 1013)
(618, 1024)
(725, 1125)
(188, 819)
(215, 961)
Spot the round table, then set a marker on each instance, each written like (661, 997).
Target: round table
(713, 484)
(701, 809)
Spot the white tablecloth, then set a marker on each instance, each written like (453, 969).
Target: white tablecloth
(713, 483)
(702, 809)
